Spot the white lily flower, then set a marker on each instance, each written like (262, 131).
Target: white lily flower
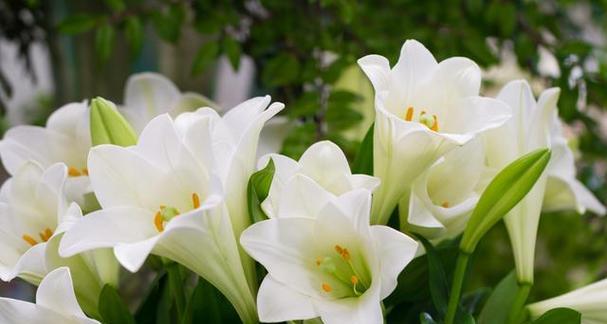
(66, 139)
(321, 174)
(423, 110)
(563, 190)
(159, 198)
(331, 265)
(590, 301)
(55, 303)
(528, 129)
(34, 214)
(148, 95)
(443, 197)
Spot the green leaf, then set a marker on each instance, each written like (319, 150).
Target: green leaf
(232, 49)
(176, 286)
(257, 191)
(281, 70)
(503, 193)
(112, 308)
(108, 126)
(499, 304)
(205, 55)
(115, 5)
(104, 42)
(148, 309)
(133, 32)
(78, 23)
(363, 163)
(561, 316)
(208, 305)
(438, 283)
(168, 23)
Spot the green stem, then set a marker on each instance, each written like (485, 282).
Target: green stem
(519, 302)
(456, 286)
(176, 284)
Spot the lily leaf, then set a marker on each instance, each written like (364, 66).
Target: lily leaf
(561, 316)
(499, 304)
(503, 193)
(363, 163)
(257, 191)
(108, 126)
(439, 285)
(112, 308)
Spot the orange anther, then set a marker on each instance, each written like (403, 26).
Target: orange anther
(85, 171)
(195, 200)
(445, 204)
(158, 222)
(409, 114)
(434, 124)
(354, 280)
(46, 234)
(30, 240)
(73, 172)
(326, 287)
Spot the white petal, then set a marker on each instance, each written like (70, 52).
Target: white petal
(395, 250)
(56, 292)
(159, 142)
(414, 64)
(364, 181)
(457, 77)
(278, 303)
(377, 69)
(31, 265)
(122, 177)
(133, 255)
(148, 95)
(72, 120)
(302, 197)
(280, 245)
(14, 311)
(326, 163)
(108, 228)
(273, 135)
(354, 205)
(363, 310)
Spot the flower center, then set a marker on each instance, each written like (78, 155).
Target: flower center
(45, 235)
(423, 118)
(345, 277)
(166, 213)
(75, 172)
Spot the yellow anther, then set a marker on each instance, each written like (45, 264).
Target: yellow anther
(195, 200)
(434, 124)
(409, 114)
(326, 287)
(445, 204)
(354, 280)
(339, 249)
(73, 172)
(85, 171)
(158, 222)
(30, 240)
(46, 234)
(318, 261)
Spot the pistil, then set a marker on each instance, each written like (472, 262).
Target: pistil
(423, 118)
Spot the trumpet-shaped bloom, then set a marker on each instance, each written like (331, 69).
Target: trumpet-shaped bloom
(563, 190)
(423, 110)
(443, 197)
(66, 139)
(331, 264)
(159, 197)
(528, 129)
(34, 214)
(590, 301)
(321, 174)
(55, 303)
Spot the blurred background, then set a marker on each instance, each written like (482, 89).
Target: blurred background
(303, 52)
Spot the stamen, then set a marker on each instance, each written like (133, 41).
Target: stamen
(46, 234)
(435, 124)
(339, 249)
(445, 204)
(195, 200)
(73, 172)
(318, 261)
(326, 287)
(85, 171)
(409, 114)
(354, 280)
(158, 222)
(30, 240)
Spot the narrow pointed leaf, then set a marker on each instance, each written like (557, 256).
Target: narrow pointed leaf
(503, 193)
(499, 304)
(257, 191)
(112, 308)
(561, 316)
(363, 163)
(438, 283)
(108, 126)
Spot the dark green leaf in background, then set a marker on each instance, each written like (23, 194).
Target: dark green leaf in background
(112, 308)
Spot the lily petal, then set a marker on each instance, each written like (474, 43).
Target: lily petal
(278, 303)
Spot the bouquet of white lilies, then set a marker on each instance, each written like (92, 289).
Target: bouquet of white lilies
(166, 184)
